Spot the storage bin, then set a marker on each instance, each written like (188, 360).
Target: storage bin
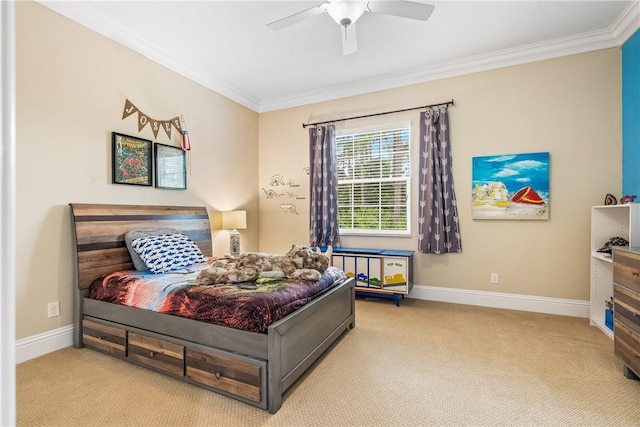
(608, 319)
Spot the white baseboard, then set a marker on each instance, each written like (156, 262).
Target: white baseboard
(41, 344)
(564, 307)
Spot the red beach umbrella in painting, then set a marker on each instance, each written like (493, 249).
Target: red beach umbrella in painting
(527, 195)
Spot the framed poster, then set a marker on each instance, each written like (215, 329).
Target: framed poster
(511, 186)
(131, 160)
(171, 170)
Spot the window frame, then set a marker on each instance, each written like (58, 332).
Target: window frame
(408, 178)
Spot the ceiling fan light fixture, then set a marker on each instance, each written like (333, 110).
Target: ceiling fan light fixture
(345, 12)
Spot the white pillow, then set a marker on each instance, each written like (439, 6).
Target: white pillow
(167, 252)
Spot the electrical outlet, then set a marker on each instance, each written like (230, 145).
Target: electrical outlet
(54, 309)
(494, 278)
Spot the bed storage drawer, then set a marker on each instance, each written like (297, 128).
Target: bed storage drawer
(108, 339)
(233, 374)
(156, 353)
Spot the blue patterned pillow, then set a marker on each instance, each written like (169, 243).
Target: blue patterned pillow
(132, 235)
(167, 252)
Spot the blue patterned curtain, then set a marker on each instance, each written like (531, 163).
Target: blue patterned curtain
(438, 222)
(325, 229)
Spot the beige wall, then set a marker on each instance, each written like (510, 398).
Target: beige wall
(569, 107)
(71, 88)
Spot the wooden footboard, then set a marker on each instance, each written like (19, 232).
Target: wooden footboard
(252, 367)
(298, 340)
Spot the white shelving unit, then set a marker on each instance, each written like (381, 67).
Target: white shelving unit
(607, 222)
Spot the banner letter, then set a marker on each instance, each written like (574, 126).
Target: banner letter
(166, 125)
(155, 127)
(176, 123)
(129, 109)
(142, 120)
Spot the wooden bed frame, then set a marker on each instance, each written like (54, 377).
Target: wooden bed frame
(252, 367)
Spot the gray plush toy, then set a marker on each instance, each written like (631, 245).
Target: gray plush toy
(300, 262)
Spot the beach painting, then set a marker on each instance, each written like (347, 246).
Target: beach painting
(511, 186)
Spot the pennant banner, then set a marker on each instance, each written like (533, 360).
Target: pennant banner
(144, 120)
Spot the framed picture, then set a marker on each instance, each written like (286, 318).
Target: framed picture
(511, 186)
(171, 171)
(131, 160)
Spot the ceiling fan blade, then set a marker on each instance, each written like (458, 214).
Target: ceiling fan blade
(403, 8)
(349, 39)
(298, 17)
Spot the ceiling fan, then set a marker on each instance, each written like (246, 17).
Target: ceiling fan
(347, 12)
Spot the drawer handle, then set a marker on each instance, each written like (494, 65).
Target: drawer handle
(634, 273)
(152, 353)
(218, 375)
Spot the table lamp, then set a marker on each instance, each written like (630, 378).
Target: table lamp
(234, 220)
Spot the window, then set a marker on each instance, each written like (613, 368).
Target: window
(374, 169)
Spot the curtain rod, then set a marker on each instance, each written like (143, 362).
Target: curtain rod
(304, 125)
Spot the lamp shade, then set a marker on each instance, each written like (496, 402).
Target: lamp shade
(234, 220)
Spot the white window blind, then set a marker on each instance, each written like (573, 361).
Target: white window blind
(374, 169)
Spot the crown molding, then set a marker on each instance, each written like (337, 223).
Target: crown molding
(627, 23)
(505, 58)
(624, 27)
(86, 15)
(82, 12)
(470, 65)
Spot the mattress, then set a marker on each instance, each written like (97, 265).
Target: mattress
(249, 306)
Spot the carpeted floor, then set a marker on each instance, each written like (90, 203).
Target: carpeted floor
(420, 364)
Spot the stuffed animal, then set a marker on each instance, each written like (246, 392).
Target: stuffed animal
(300, 262)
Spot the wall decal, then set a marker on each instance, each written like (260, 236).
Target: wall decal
(271, 193)
(278, 180)
(289, 208)
(295, 196)
(144, 120)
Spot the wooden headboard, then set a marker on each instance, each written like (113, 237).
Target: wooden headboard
(99, 233)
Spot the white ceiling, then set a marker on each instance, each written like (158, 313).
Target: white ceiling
(226, 46)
